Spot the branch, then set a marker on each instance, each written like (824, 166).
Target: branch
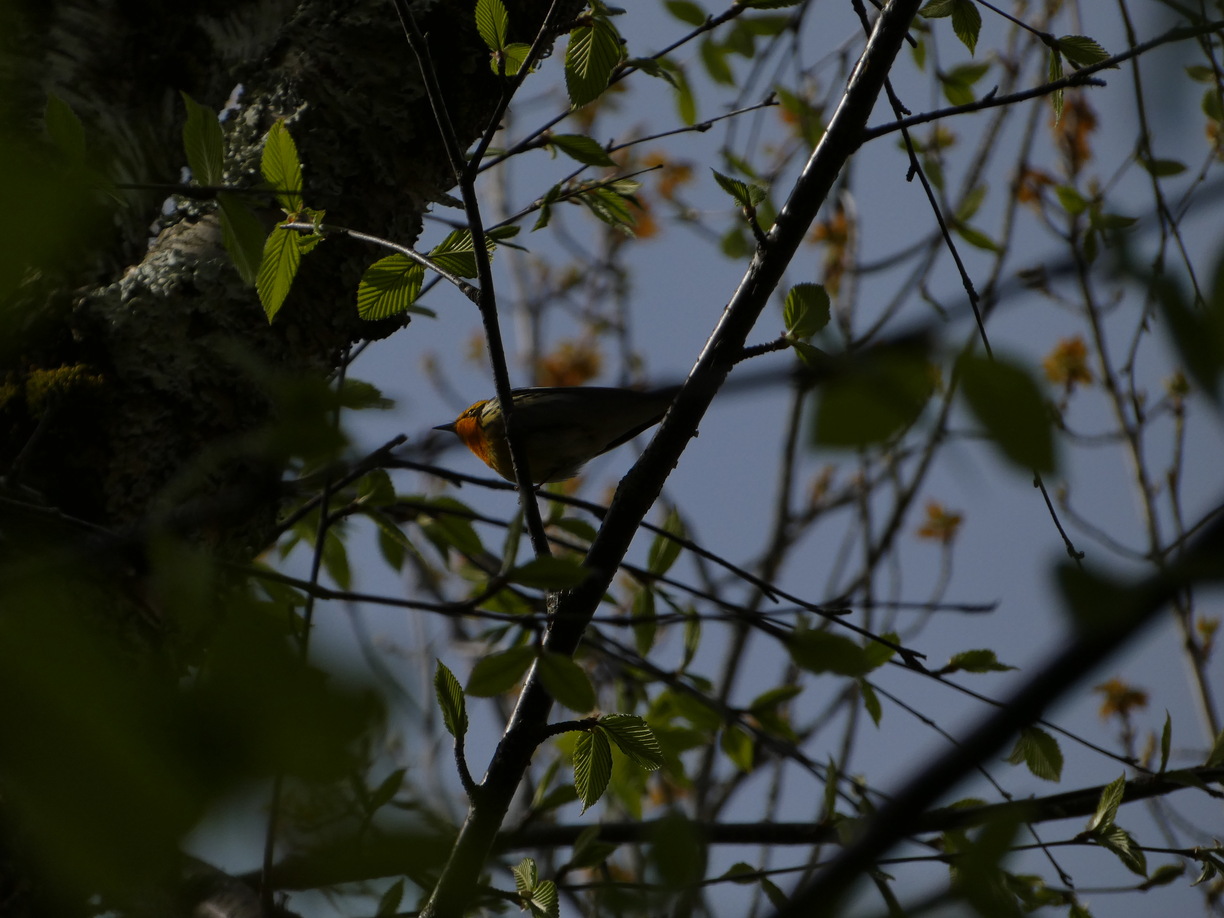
(644, 482)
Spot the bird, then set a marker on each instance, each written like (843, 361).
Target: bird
(561, 428)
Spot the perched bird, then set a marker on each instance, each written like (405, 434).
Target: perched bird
(560, 428)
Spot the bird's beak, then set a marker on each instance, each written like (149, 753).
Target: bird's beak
(450, 427)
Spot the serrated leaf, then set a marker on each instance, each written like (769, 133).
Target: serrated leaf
(491, 20)
(510, 60)
(1081, 50)
(281, 168)
(1119, 841)
(1054, 73)
(1009, 405)
(243, 234)
(499, 672)
(451, 701)
(1070, 199)
(457, 253)
(65, 129)
(825, 652)
(1039, 751)
(549, 573)
(204, 143)
(526, 876)
(543, 902)
(592, 767)
(582, 148)
(1107, 805)
(389, 287)
(743, 193)
(277, 269)
(634, 738)
(806, 310)
(966, 23)
(566, 682)
(591, 56)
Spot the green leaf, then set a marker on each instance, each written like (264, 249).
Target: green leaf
(543, 902)
(277, 269)
(806, 310)
(386, 791)
(1053, 74)
(204, 143)
(1071, 200)
(1039, 751)
(1215, 758)
(457, 252)
(450, 700)
(499, 672)
(549, 573)
(937, 9)
(1008, 403)
(744, 194)
(738, 747)
(65, 130)
(1162, 167)
(975, 661)
(1164, 875)
(591, 56)
(634, 738)
(1081, 50)
(281, 168)
(389, 902)
(975, 237)
(491, 21)
(510, 60)
(567, 682)
(686, 102)
(1119, 841)
(592, 767)
(1197, 333)
(872, 396)
(686, 11)
(1107, 807)
(665, 548)
(526, 876)
(825, 652)
(589, 851)
(871, 701)
(714, 57)
(966, 23)
(582, 148)
(1166, 738)
(389, 287)
(243, 235)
